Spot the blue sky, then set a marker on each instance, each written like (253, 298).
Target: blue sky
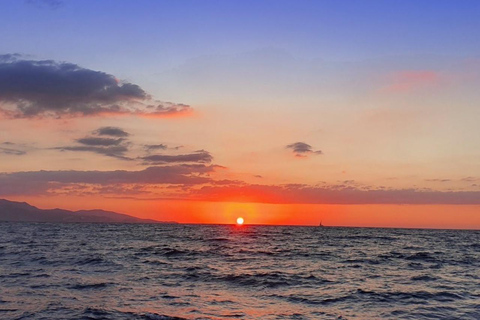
(168, 32)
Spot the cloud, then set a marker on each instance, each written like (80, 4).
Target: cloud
(11, 148)
(195, 182)
(438, 180)
(305, 194)
(41, 182)
(111, 147)
(111, 151)
(96, 141)
(30, 88)
(114, 142)
(200, 156)
(165, 110)
(409, 80)
(12, 151)
(152, 147)
(302, 149)
(111, 131)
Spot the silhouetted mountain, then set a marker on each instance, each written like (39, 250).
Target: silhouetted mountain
(23, 212)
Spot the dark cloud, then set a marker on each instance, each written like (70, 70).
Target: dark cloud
(153, 147)
(297, 193)
(12, 151)
(9, 57)
(110, 151)
(200, 156)
(111, 147)
(40, 182)
(302, 149)
(194, 182)
(111, 131)
(113, 142)
(31, 88)
(11, 148)
(97, 141)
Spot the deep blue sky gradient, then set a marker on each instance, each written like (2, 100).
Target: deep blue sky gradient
(174, 31)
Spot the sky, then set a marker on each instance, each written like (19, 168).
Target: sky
(349, 113)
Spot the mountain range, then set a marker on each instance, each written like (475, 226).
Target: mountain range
(23, 212)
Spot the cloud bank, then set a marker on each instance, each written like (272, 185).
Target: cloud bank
(42, 182)
(305, 194)
(197, 182)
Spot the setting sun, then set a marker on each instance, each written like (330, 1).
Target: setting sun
(239, 221)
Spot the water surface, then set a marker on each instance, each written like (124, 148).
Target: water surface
(122, 271)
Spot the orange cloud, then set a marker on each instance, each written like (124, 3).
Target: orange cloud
(407, 81)
(178, 111)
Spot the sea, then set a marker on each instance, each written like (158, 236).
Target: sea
(177, 271)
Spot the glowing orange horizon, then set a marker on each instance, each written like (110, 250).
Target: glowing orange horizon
(204, 212)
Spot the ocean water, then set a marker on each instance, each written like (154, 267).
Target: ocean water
(121, 271)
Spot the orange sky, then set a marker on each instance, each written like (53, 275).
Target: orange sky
(403, 216)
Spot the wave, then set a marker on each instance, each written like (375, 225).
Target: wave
(105, 314)
(84, 286)
(219, 272)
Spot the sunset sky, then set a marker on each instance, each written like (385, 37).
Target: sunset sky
(354, 113)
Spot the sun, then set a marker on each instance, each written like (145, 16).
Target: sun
(240, 221)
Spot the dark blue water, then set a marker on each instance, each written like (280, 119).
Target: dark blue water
(107, 271)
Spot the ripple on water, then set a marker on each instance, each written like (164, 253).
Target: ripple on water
(94, 271)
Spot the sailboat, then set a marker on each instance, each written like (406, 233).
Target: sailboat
(321, 225)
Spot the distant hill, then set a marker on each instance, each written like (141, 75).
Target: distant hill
(23, 212)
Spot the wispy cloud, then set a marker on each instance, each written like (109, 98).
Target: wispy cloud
(410, 80)
(438, 180)
(111, 151)
(199, 156)
(11, 148)
(117, 143)
(99, 144)
(12, 151)
(153, 147)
